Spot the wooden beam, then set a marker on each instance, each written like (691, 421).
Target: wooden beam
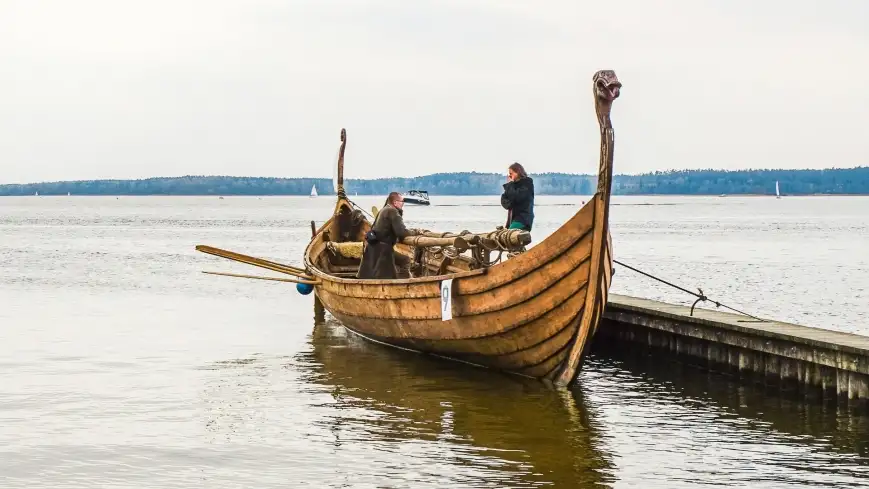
(427, 241)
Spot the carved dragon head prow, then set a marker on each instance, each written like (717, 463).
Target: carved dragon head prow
(606, 89)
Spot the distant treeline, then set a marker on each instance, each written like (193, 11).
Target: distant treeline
(841, 181)
(681, 182)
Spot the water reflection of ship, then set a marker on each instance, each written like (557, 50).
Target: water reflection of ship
(544, 436)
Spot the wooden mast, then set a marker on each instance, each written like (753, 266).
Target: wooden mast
(606, 87)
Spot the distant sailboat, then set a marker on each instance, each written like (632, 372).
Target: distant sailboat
(36, 194)
(314, 191)
(777, 193)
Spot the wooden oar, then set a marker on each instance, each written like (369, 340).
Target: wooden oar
(258, 277)
(257, 262)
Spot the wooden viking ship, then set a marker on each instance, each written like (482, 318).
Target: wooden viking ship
(532, 314)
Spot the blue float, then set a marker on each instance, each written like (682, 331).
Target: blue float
(304, 289)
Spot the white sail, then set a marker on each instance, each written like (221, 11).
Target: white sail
(314, 191)
(777, 194)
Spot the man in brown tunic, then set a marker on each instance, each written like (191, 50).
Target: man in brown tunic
(378, 258)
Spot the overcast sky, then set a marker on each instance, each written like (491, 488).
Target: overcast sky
(123, 89)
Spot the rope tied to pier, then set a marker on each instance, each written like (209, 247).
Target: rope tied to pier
(701, 297)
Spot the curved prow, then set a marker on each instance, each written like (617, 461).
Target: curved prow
(606, 88)
(340, 188)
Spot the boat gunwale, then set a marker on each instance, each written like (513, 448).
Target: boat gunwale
(314, 270)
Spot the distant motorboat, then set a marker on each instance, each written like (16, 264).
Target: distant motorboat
(418, 197)
(314, 191)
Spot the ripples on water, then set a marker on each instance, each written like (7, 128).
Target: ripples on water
(122, 366)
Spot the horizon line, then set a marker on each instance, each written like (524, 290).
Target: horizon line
(649, 173)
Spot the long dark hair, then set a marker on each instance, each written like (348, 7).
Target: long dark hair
(519, 169)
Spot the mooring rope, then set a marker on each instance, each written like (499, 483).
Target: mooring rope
(701, 297)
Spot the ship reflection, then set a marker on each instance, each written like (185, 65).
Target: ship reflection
(538, 435)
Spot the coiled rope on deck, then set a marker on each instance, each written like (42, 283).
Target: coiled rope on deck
(701, 297)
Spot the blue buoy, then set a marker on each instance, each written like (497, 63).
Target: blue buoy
(304, 289)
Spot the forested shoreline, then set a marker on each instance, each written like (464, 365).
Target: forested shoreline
(836, 181)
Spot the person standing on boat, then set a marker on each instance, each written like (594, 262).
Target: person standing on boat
(518, 198)
(379, 259)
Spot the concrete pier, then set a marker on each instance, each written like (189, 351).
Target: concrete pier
(792, 359)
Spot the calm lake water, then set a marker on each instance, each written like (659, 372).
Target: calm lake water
(123, 366)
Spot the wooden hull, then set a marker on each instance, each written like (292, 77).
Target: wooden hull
(533, 314)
